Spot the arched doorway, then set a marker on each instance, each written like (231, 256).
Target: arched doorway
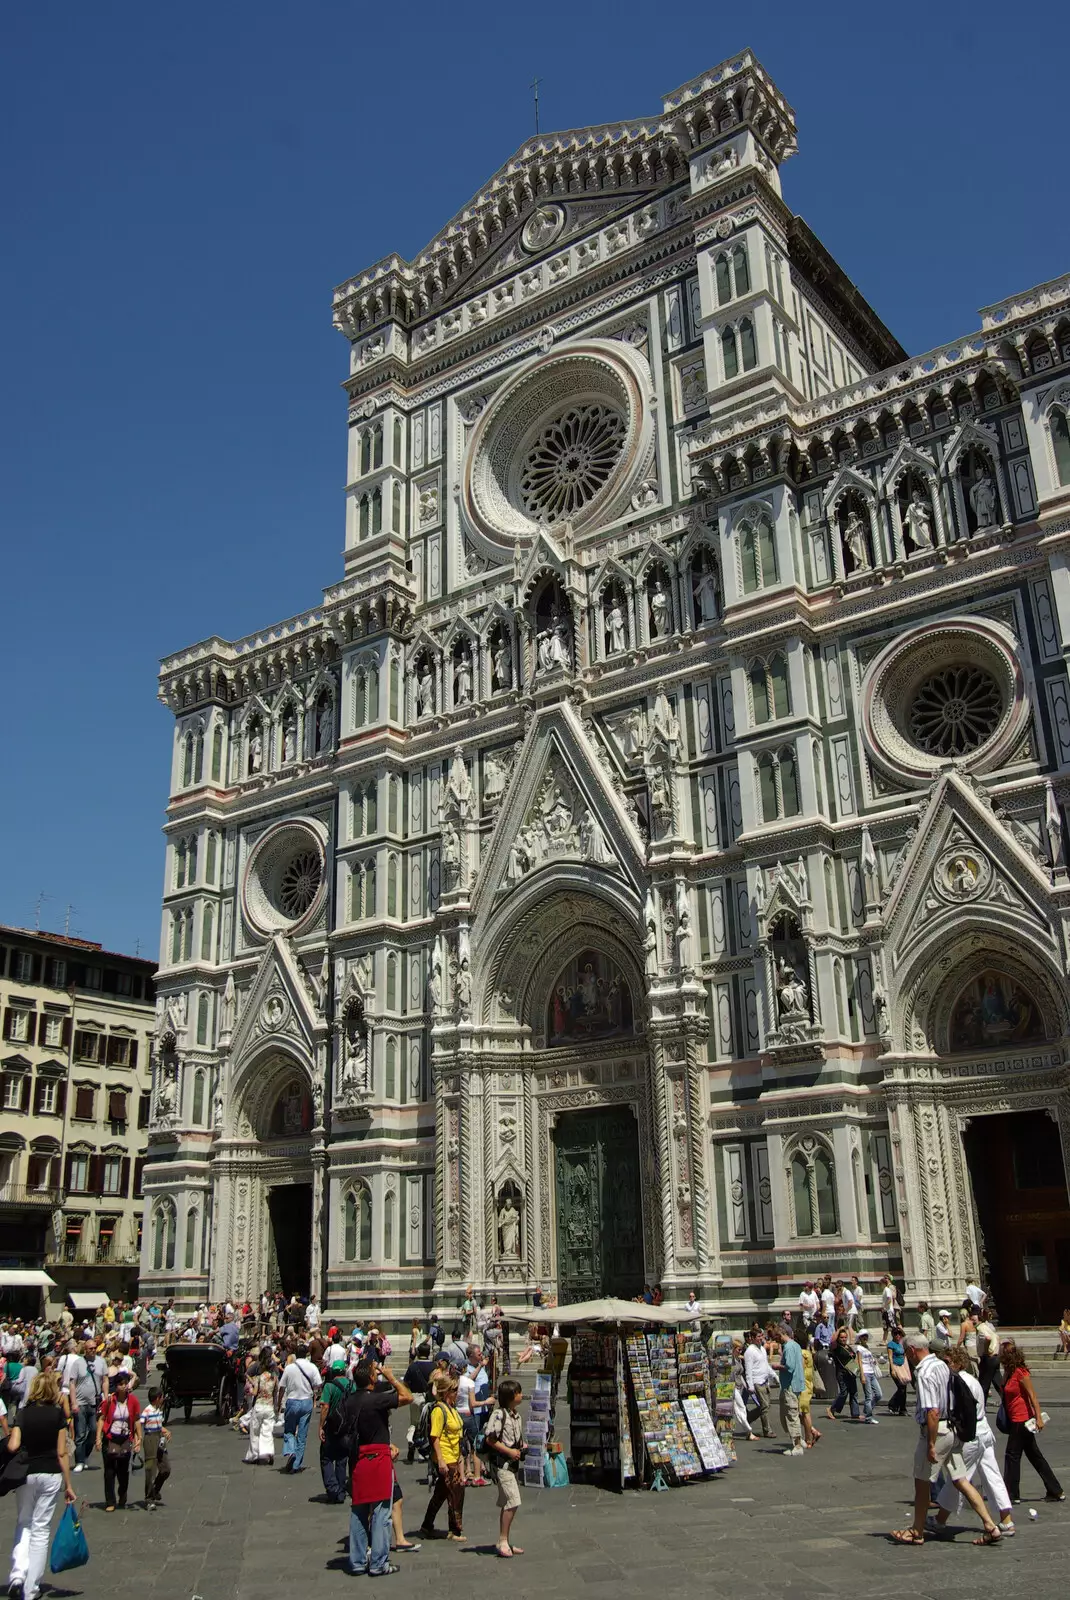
(996, 1022)
(262, 1167)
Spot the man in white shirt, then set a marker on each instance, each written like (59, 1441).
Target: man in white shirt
(759, 1375)
(889, 1303)
(809, 1302)
(859, 1300)
(976, 1296)
(313, 1315)
(694, 1311)
(938, 1448)
(828, 1303)
(979, 1454)
(299, 1384)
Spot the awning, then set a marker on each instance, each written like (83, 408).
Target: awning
(590, 1312)
(87, 1299)
(25, 1278)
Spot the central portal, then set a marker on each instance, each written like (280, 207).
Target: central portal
(290, 1214)
(599, 1205)
(1019, 1188)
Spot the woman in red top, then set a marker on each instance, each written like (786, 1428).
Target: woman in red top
(1024, 1421)
(118, 1436)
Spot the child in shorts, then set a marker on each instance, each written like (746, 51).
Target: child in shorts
(155, 1438)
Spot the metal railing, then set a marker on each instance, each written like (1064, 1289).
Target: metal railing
(21, 1194)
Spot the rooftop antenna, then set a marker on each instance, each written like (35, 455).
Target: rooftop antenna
(535, 85)
(67, 922)
(41, 898)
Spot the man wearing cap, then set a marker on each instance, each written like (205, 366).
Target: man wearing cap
(334, 1449)
(940, 1339)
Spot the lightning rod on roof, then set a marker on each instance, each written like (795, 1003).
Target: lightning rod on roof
(535, 86)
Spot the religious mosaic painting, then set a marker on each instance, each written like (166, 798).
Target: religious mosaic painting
(993, 1010)
(590, 1000)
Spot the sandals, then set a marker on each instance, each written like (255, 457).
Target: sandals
(990, 1536)
(907, 1536)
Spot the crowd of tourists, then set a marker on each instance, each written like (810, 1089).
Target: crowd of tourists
(953, 1362)
(80, 1388)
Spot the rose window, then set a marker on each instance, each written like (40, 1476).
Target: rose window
(570, 461)
(955, 710)
(284, 883)
(298, 883)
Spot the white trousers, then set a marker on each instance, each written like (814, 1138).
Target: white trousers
(35, 1502)
(978, 1455)
(261, 1434)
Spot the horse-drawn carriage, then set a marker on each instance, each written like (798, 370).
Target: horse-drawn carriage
(202, 1372)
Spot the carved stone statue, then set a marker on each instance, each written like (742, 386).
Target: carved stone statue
(325, 728)
(451, 855)
(664, 721)
(660, 611)
(462, 680)
(560, 645)
(544, 652)
(354, 1054)
(459, 787)
(317, 1101)
(792, 994)
(854, 538)
(706, 595)
(508, 1228)
(683, 926)
(217, 1109)
(983, 497)
(425, 690)
(434, 983)
(256, 752)
(593, 843)
(464, 988)
(227, 1019)
(918, 521)
(289, 738)
(501, 664)
(616, 636)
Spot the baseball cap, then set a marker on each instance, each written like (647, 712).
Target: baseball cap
(338, 1366)
(862, 1335)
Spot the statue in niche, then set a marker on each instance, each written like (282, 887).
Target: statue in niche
(918, 521)
(256, 752)
(560, 645)
(317, 1102)
(464, 987)
(854, 539)
(633, 735)
(167, 1090)
(983, 497)
(354, 1051)
(660, 611)
(792, 995)
(508, 1227)
(425, 690)
(616, 635)
(660, 789)
(494, 776)
(706, 595)
(663, 721)
(451, 855)
(434, 982)
(501, 665)
(593, 844)
(325, 728)
(683, 926)
(289, 738)
(544, 653)
(217, 1109)
(462, 680)
(459, 787)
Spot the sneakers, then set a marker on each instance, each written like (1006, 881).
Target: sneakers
(387, 1570)
(796, 1450)
(80, 1466)
(1055, 1497)
(15, 1591)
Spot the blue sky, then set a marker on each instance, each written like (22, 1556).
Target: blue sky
(184, 186)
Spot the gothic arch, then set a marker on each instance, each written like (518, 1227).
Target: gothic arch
(257, 1084)
(937, 978)
(540, 927)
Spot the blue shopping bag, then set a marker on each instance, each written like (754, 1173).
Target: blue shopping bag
(69, 1548)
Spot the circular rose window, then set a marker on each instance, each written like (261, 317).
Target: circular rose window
(285, 878)
(566, 440)
(945, 692)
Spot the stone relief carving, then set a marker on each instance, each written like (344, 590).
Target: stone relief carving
(558, 823)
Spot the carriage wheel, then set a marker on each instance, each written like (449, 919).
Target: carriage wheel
(224, 1403)
(166, 1398)
(187, 1410)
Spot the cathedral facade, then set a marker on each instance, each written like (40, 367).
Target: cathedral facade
(648, 863)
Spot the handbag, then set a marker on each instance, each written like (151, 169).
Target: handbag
(1002, 1420)
(900, 1371)
(69, 1547)
(14, 1469)
(555, 1472)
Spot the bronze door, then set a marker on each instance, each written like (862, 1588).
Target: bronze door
(599, 1210)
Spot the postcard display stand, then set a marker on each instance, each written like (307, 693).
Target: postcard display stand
(537, 1429)
(596, 1408)
(724, 1389)
(678, 1434)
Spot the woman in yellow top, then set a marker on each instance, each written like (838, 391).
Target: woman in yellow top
(1064, 1333)
(810, 1434)
(447, 1426)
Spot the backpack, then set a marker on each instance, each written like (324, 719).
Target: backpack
(421, 1436)
(961, 1409)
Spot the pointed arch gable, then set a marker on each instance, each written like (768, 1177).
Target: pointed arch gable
(844, 481)
(908, 459)
(556, 735)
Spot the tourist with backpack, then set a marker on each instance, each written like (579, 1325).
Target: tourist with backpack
(417, 1378)
(447, 1426)
(946, 1414)
(504, 1439)
(979, 1456)
(363, 1421)
(334, 1451)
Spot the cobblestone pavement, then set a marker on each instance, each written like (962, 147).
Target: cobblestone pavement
(800, 1528)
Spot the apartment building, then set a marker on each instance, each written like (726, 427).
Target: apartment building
(75, 1026)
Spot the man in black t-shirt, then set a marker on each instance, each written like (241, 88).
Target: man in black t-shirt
(364, 1419)
(417, 1377)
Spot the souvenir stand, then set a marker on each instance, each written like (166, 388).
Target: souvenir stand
(639, 1395)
